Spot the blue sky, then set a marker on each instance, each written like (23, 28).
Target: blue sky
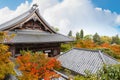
(113, 5)
(101, 16)
(12, 4)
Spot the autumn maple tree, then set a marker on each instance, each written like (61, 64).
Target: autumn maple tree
(85, 44)
(37, 66)
(6, 65)
(105, 45)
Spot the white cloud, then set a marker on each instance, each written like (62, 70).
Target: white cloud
(81, 14)
(118, 20)
(22, 7)
(44, 4)
(72, 15)
(6, 14)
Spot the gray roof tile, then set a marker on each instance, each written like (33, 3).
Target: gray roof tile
(79, 60)
(37, 37)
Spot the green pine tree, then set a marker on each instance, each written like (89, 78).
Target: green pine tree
(77, 36)
(96, 38)
(115, 39)
(70, 33)
(81, 34)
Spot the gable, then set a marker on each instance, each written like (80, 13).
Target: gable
(28, 20)
(31, 25)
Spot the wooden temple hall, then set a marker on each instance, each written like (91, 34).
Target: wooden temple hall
(33, 33)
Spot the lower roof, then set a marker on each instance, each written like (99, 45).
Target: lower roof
(34, 36)
(80, 60)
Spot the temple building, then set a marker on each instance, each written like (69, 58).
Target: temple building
(33, 33)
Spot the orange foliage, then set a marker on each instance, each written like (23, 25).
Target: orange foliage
(37, 66)
(116, 49)
(105, 45)
(85, 44)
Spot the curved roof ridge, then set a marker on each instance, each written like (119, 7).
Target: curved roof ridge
(33, 8)
(102, 57)
(109, 56)
(85, 49)
(23, 17)
(26, 14)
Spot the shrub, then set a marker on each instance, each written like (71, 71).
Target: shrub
(6, 65)
(37, 66)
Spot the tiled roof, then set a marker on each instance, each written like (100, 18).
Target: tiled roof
(33, 36)
(24, 17)
(79, 60)
(16, 20)
(37, 37)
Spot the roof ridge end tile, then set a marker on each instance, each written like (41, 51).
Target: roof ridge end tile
(34, 7)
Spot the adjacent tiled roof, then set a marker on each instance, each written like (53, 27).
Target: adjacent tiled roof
(33, 36)
(79, 60)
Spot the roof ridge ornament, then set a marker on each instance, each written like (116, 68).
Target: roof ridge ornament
(34, 6)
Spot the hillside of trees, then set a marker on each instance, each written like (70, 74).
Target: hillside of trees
(109, 45)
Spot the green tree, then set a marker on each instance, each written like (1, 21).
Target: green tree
(77, 36)
(115, 39)
(70, 33)
(81, 34)
(56, 29)
(96, 38)
(110, 72)
(105, 39)
(88, 37)
(66, 47)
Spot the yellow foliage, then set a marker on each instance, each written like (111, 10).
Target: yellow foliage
(6, 65)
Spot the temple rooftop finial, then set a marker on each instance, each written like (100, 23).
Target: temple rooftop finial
(34, 6)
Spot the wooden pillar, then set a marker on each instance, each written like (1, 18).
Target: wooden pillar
(59, 49)
(56, 51)
(12, 50)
